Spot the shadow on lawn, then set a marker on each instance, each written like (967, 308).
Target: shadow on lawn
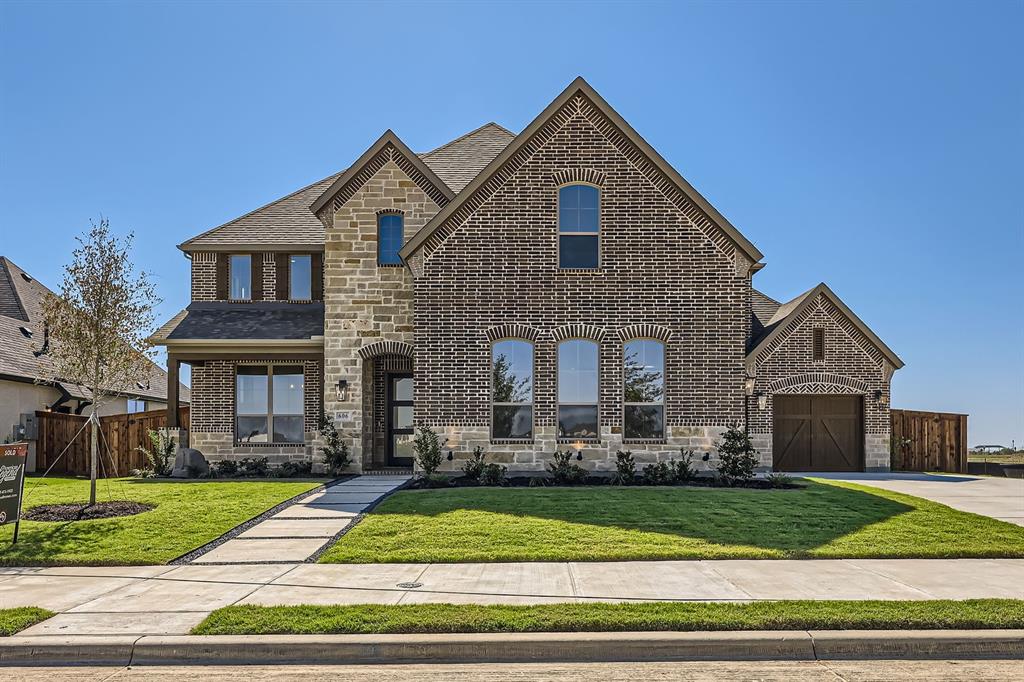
(784, 520)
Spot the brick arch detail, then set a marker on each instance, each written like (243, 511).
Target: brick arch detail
(390, 211)
(578, 331)
(818, 382)
(512, 330)
(644, 331)
(372, 350)
(575, 175)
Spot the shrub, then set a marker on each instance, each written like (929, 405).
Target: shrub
(564, 470)
(625, 468)
(473, 469)
(225, 468)
(335, 449)
(493, 474)
(683, 470)
(254, 466)
(659, 473)
(777, 479)
(294, 469)
(428, 451)
(736, 456)
(160, 455)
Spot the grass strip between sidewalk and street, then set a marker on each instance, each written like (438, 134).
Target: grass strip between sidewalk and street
(606, 617)
(16, 620)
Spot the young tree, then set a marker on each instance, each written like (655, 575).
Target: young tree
(99, 323)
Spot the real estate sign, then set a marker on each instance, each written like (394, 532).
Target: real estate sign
(12, 482)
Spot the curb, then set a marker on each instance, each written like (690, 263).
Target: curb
(795, 645)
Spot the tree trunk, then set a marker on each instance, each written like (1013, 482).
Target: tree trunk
(94, 458)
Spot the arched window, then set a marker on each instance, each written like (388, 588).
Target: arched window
(390, 233)
(512, 390)
(644, 383)
(579, 223)
(577, 389)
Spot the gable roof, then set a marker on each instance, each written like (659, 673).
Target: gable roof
(580, 87)
(17, 348)
(778, 324)
(388, 139)
(462, 159)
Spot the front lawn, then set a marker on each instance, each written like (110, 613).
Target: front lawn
(16, 620)
(187, 515)
(628, 617)
(824, 520)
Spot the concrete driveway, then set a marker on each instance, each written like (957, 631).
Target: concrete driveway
(1000, 498)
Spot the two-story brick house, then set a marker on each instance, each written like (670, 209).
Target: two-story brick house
(563, 287)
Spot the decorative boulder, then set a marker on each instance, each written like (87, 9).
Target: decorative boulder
(189, 463)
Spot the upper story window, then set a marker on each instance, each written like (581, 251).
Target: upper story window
(300, 278)
(644, 383)
(577, 389)
(240, 270)
(578, 226)
(390, 231)
(512, 390)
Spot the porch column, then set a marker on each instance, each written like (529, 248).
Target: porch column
(173, 364)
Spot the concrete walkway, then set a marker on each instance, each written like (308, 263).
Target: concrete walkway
(170, 600)
(1000, 498)
(300, 531)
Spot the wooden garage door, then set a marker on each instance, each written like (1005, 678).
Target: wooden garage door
(818, 433)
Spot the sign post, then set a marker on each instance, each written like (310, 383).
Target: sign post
(13, 457)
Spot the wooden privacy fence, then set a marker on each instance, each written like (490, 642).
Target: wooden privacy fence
(122, 436)
(928, 441)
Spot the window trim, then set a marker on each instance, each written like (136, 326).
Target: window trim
(269, 366)
(558, 225)
(291, 296)
(533, 390)
(664, 391)
(401, 216)
(232, 256)
(559, 403)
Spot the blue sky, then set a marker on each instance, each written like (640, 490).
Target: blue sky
(873, 146)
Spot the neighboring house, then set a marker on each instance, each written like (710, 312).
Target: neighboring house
(563, 287)
(26, 371)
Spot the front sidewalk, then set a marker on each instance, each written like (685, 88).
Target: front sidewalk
(170, 600)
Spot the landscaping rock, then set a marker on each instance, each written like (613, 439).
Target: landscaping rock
(189, 463)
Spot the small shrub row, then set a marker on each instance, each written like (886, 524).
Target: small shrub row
(259, 467)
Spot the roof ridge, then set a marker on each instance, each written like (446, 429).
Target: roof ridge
(264, 206)
(464, 136)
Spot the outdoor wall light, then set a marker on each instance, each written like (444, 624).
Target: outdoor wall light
(880, 397)
(748, 385)
(342, 390)
(762, 400)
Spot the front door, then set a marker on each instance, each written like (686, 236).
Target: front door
(399, 420)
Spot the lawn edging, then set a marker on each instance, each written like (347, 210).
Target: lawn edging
(791, 645)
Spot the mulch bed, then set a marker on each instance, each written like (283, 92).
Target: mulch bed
(548, 482)
(84, 512)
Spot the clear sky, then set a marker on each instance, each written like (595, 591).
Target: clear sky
(873, 146)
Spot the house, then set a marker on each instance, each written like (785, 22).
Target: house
(564, 287)
(26, 373)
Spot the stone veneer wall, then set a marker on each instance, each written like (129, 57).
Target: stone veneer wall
(496, 274)
(365, 303)
(852, 365)
(212, 419)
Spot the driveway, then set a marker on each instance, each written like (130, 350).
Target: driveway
(1000, 498)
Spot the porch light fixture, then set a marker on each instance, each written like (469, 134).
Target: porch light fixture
(762, 400)
(748, 385)
(579, 450)
(879, 396)
(342, 390)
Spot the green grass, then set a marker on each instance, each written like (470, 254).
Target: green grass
(16, 620)
(825, 520)
(629, 617)
(188, 514)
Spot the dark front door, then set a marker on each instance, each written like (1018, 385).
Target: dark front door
(399, 420)
(818, 433)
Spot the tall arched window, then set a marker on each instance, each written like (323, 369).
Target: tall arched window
(644, 383)
(577, 389)
(579, 223)
(512, 390)
(390, 232)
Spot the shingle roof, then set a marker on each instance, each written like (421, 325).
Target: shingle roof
(289, 220)
(251, 321)
(17, 350)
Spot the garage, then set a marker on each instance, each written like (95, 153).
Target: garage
(818, 433)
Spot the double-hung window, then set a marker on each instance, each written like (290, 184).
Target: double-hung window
(644, 381)
(390, 231)
(300, 278)
(240, 270)
(577, 389)
(579, 222)
(269, 404)
(512, 390)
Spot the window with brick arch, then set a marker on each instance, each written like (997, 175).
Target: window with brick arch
(644, 390)
(577, 389)
(579, 226)
(390, 231)
(512, 390)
